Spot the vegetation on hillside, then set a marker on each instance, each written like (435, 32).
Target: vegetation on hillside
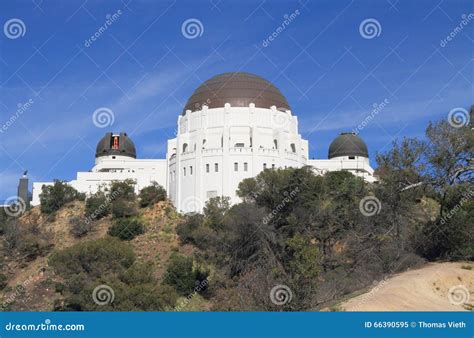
(313, 238)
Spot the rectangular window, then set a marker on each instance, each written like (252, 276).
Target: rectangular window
(216, 167)
(351, 157)
(184, 171)
(273, 166)
(190, 170)
(246, 167)
(207, 168)
(236, 166)
(264, 166)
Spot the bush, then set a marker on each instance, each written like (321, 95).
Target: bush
(80, 226)
(3, 221)
(123, 208)
(96, 258)
(152, 194)
(3, 281)
(123, 189)
(215, 211)
(124, 201)
(181, 274)
(97, 206)
(110, 262)
(126, 228)
(187, 228)
(55, 196)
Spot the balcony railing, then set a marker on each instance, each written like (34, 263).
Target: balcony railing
(243, 150)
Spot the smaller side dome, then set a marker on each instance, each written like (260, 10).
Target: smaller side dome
(348, 144)
(116, 144)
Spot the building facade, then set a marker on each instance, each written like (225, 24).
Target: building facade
(234, 126)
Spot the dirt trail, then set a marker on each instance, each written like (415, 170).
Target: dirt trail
(424, 289)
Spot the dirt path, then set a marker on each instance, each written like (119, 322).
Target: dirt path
(425, 289)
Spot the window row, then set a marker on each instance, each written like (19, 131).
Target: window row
(185, 147)
(237, 167)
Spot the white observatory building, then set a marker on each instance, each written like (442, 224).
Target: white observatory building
(233, 126)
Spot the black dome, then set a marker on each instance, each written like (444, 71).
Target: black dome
(115, 144)
(239, 89)
(348, 144)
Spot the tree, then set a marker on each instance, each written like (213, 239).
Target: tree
(401, 169)
(97, 206)
(124, 202)
(55, 196)
(215, 211)
(450, 153)
(152, 194)
(183, 275)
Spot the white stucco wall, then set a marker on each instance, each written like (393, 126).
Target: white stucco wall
(217, 148)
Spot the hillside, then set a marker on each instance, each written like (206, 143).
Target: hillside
(316, 248)
(31, 282)
(424, 289)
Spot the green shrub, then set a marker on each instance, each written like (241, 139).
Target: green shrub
(123, 189)
(187, 228)
(55, 196)
(80, 226)
(152, 194)
(124, 200)
(182, 275)
(109, 262)
(97, 206)
(124, 208)
(95, 258)
(215, 211)
(126, 228)
(3, 281)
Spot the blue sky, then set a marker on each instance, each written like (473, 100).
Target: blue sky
(144, 69)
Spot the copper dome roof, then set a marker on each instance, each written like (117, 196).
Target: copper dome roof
(348, 144)
(116, 144)
(239, 89)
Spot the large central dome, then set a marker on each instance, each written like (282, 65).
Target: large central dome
(239, 89)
